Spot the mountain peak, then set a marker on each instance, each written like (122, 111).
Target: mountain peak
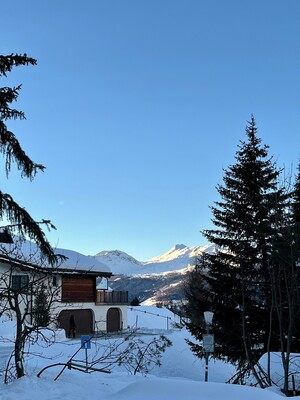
(177, 258)
(179, 246)
(119, 261)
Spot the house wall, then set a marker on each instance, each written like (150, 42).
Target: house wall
(26, 300)
(99, 312)
(78, 288)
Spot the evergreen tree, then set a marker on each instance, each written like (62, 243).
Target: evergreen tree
(285, 281)
(296, 256)
(236, 278)
(292, 259)
(135, 302)
(41, 311)
(20, 220)
(296, 199)
(286, 258)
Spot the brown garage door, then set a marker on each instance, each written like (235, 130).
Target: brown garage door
(113, 320)
(83, 321)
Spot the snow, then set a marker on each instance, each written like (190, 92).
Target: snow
(77, 260)
(179, 257)
(276, 370)
(178, 251)
(180, 376)
(118, 261)
(29, 252)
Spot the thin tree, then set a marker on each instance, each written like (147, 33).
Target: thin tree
(28, 297)
(285, 279)
(136, 355)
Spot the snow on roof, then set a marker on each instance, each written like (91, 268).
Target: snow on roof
(28, 252)
(78, 261)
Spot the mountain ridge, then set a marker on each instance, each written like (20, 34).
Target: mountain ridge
(159, 280)
(177, 258)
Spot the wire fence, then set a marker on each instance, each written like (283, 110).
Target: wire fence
(168, 319)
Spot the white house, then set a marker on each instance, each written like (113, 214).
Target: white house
(79, 286)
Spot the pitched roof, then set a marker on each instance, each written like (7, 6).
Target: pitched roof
(27, 255)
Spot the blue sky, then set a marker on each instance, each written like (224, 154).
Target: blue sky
(136, 106)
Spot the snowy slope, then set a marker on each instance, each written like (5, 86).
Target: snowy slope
(77, 260)
(180, 376)
(180, 251)
(158, 280)
(119, 262)
(178, 258)
(29, 252)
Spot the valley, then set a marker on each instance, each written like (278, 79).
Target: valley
(157, 281)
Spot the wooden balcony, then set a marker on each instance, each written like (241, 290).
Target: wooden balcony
(115, 297)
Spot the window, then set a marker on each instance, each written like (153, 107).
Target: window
(101, 283)
(20, 282)
(54, 281)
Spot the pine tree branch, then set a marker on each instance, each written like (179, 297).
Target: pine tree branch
(26, 226)
(14, 60)
(9, 145)
(11, 149)
(7, 96)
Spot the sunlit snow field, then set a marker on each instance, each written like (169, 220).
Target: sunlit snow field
(181, 375)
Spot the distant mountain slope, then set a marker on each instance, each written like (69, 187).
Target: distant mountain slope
(177, 258)
(25, 250)
(158, 280)
(152, 288)
(119, 262)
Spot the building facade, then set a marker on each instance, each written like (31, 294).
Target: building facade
(77, 288)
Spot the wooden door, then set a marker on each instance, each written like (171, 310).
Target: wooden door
(83, 320)
(113, 320)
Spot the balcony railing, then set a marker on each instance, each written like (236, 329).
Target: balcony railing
(115, 297)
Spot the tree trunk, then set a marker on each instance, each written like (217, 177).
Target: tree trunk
(19, 343)
(244, 328)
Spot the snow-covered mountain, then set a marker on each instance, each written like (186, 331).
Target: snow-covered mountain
(160, 279)
(177, 258)
(119, 262)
